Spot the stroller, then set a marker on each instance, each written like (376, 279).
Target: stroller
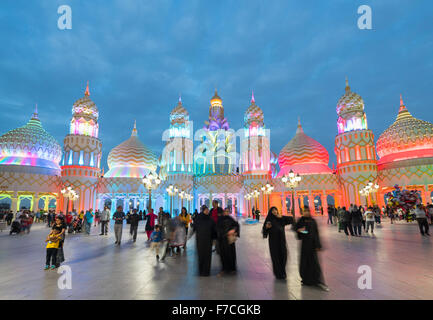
(76, 226)
(15, 227)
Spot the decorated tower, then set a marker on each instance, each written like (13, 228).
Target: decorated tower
(177, 158)
(178, 152)
(82, 154)
(255, 149)
(255, 156)
(217, 151)
(354, 148)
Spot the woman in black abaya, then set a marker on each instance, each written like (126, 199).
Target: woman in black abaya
(273, 229)
(309, 266)
(228, 231)
(205, 231)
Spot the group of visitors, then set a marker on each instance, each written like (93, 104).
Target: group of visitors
(215, 228)
(356, 219)
(307, 232)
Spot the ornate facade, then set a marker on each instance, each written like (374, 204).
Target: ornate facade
(224, 164)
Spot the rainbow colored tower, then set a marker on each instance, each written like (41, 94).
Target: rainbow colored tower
(82, 154)
(354, 148)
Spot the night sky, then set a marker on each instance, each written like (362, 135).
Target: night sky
(139, 55)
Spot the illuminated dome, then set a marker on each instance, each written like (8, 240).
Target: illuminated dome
(349, 102)
(85, 116)
(30, 145)
(216, 100)
(303, 155)
(179, 114)
(131, 159)
(406, 138)
(254, 115)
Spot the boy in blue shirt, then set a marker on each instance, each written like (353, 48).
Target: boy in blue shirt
(156, 238)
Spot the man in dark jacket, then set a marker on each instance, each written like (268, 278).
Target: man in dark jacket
(347, 222)
(134, 218)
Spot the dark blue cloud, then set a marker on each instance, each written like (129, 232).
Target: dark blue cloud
(139, 55)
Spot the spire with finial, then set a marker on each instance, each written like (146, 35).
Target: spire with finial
(299, 129)
(87, 92)
(402, 106)
(134, 130)
(180, 98)
(35, 113)
(252, 97)
(347, 84)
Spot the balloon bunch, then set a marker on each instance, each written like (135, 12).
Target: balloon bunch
(404, 199)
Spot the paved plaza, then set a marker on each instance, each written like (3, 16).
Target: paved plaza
(400, 258)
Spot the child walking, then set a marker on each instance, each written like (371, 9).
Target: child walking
(156, 238)
(52, 246)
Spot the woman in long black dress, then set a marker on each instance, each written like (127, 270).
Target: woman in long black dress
(227, 230)
(273, 228)
(205, 230)
(309, 266)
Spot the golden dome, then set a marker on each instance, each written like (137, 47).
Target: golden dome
(407, 138)
(216, 99)
(303, 154)
(349, 102)
(131, 159)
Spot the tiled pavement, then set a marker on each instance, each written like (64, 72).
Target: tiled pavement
(401, 262)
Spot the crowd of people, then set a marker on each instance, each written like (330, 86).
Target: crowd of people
(215, 230)
(356, 220)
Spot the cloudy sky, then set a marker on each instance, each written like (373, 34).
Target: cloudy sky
(139, 55)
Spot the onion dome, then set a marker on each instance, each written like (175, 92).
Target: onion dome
(131, 159)
(406, 138)
(85, 107)
(350, 103)
(30, 145)
(254, 115)
(179, 115)
(216, 100)
(303, 154)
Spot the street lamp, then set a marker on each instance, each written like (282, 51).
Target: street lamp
(267, 190)
(371, 187)
(151, 181)
(171, 190)
(71, 195)
(255, 194)
(248, 197)
(292, 181)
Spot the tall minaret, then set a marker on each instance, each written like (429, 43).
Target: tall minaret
(255, 157)
(178, 156)
(177, 159)
(354, 148)
(82, 153)
(255, 147)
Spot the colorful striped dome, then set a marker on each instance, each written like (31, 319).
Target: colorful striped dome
(253, 115)
(30, 145)
(303, 154)
(131, 159)
(350, 102)
(406, 138)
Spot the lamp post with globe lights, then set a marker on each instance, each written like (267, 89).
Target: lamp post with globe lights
(171, 190)
(292, 181)
(151, 181)
(267, 190)
(71, 195)
(371, 187)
